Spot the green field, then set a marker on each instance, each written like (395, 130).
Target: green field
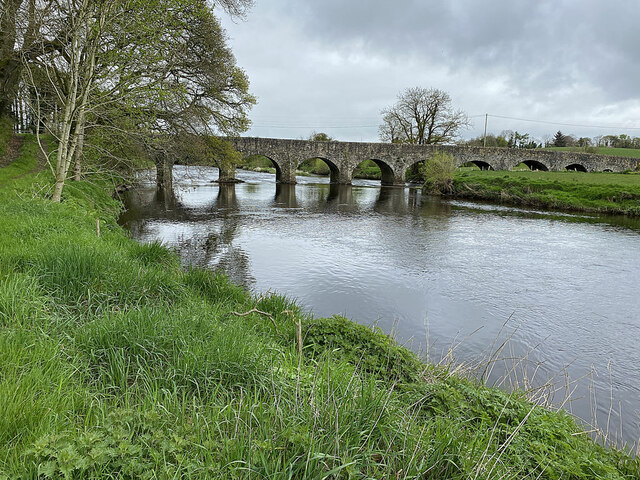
(613, 193)
(617, 152)
(116, 362)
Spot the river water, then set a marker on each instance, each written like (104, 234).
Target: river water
(451, 280)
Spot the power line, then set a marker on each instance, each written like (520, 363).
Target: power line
(619, 127)
(314, 127)
(505, 117)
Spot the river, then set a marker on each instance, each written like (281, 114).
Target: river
(451, 280)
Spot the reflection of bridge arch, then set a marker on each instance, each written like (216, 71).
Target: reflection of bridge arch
(285, 196)
(395, 159)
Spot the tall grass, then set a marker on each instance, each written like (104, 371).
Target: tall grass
(117, 363)
(25, 163)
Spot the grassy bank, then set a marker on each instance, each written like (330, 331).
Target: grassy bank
(585, 192)
(6, 132)
(116, 362)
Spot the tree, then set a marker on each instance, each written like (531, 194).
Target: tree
(113, 71)
(491, 140)
(559, 140)
(584, 142)
(320, 137)
(20, 23)
(9, 61)
(422, 116)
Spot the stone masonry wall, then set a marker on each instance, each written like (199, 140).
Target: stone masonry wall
(395, 159)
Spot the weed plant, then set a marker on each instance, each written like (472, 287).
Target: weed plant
(115, 362)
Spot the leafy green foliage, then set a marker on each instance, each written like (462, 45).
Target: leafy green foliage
(129, 444)
(438, 172)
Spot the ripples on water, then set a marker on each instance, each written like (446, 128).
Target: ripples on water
(566, 285)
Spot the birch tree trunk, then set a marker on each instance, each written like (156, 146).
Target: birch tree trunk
(81, 71)
(77, 163)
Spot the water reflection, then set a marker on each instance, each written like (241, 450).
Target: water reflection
(285, 196)
(396, 257)
(227, 200)
(392, 199)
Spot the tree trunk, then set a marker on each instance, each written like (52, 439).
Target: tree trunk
(77, 163)
(9, 61)
(164, 172)
(227, 174)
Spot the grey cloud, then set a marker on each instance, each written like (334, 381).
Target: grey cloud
(539, 44)
(337, 61)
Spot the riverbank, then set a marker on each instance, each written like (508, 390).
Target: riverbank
(605, 193)
(116, 361)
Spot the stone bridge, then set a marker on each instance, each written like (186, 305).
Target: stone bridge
(395, 159)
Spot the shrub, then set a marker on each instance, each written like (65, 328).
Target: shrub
(438, 172)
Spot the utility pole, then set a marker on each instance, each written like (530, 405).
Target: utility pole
(486, 120)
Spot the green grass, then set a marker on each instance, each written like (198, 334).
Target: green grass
(314, 166)
(617, 152)
(256, 161)
(116, 362)
(25, 163)
(369, 170)
(6, 132)
(612, 193)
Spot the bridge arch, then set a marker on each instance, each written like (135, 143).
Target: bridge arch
(274, 164)
(411, 170)
(334, 171)
(478, 163)
(535, 165)
(388, 175)
(576, 167)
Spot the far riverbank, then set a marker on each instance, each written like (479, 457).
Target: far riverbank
(602, 193)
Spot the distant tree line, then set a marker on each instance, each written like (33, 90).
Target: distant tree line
(515, 139)
(506, 139)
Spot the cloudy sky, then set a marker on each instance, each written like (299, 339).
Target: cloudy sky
(332, 65)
